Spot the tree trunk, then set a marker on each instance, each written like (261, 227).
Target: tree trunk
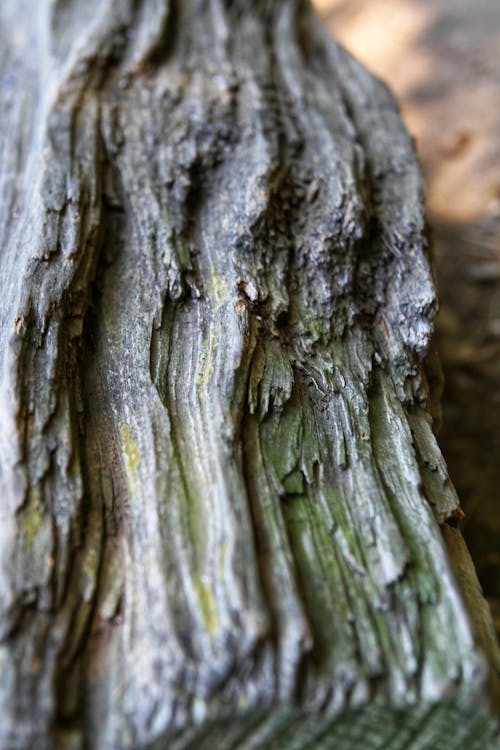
(224, 515)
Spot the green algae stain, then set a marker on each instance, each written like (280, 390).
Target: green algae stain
(243, 702)
(112, 593)
(217, 287)
(130, 454)
(208, 607)
(293, 484)
(206, 365)
(316, 329)
(223, 550)
(89, 573)
(32, 518)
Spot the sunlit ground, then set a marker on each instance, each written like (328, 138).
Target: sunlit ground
(441, 58)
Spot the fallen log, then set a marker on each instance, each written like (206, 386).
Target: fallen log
(225, 519)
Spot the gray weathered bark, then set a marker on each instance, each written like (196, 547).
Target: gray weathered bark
(222, 504)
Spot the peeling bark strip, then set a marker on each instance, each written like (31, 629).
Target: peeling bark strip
(221, 497)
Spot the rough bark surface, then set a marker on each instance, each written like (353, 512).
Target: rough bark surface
(224, 516)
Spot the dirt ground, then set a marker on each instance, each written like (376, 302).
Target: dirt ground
(441, 58)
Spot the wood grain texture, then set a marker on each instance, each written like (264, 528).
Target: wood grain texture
(222, 501)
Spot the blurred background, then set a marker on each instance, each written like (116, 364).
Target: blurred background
(441, 59)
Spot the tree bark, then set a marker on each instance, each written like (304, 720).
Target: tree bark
(225, 518)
